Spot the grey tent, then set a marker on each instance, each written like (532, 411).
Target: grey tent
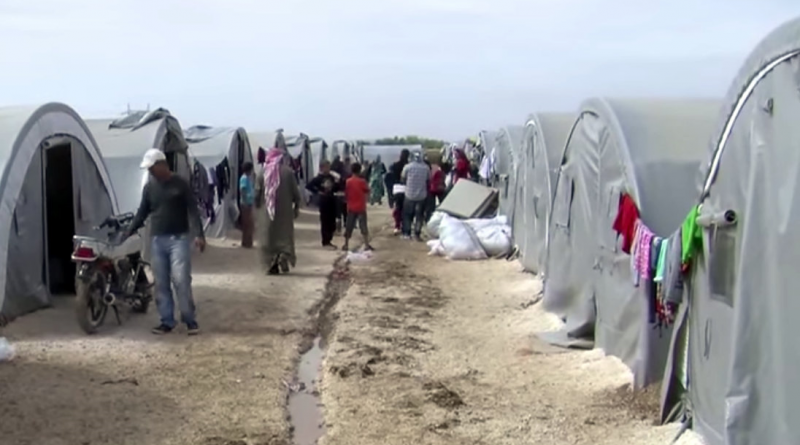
(743, 357)
(536, 167)
(506, 149)
(124, 141)
(650, 150)
(123, 149)
(54, 185)
(211, 147)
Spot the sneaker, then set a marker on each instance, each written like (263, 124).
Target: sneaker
(396, 232)
(192, 329)
(369, 248)
(161, 329)
(284, 265)
(406, 237)
(330, 246)
(274, 270)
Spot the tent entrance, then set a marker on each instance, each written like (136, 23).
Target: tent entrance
(59, 218)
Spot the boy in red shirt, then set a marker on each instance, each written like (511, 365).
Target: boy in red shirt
(356, 192)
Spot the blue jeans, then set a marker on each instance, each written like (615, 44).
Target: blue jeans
(413, 212)
(172, 266)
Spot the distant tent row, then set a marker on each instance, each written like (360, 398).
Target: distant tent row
(728, 365)
(63, 176)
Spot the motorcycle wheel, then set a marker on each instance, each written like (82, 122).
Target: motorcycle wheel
(90, 312)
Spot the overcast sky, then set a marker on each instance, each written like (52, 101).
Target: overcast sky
(367, 68)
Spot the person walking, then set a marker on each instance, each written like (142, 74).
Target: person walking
(375, 176)
(247, 195)
(436, 191)
(356, 193)
(324, 187)
(278, 204)
(398, 189)
(416, 176)
(168, 201)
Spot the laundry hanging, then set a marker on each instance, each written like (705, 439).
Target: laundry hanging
(625, 223)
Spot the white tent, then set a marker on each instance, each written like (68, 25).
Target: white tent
(650, 150)
(735, 346)
(124, 141)
(228, 149)
(53, 185)
(534, 174)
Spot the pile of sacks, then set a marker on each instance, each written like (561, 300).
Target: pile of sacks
(469, 239)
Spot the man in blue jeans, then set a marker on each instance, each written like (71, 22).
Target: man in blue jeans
(174, 222)
(416, 176)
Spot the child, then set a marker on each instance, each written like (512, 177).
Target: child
(356, 192)
(324, 187)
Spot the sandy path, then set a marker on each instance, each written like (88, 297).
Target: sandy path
(427, 351)
(218, 388)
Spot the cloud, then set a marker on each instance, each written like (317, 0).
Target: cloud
(367, 68)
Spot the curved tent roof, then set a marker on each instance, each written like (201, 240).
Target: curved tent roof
(742, 353)
(506, 149)
(210, 146)
(543, 140)
(650, 150)
(123, 149)
(25, 136)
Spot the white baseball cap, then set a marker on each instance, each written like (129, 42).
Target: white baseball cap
(151, 157)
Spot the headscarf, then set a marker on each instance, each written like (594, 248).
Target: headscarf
(272, 178)
(262, 155)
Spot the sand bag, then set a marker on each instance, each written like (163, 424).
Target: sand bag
(434, 223)
(459, 240)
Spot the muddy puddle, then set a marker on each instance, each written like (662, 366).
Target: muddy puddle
(305, 409)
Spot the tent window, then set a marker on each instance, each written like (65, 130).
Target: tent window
(722, 263)
(536, 206)
(566, 191)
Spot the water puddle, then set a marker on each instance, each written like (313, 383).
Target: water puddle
(305, 407)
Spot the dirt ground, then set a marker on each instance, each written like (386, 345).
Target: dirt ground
(126, 386)
(428, 351)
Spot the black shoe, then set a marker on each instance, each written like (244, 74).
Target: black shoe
(192, 329)
(284, 265)
(274, 270)
(330, 246)
(161, 329)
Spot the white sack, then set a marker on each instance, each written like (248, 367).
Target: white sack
(6, 350)
(458, 241)
(495, 240)
(434, 223)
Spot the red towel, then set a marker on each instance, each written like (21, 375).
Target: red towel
(627, 215)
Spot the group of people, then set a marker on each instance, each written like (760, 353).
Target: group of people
(270, 202)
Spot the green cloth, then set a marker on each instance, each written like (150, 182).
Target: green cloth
(691, 236)
(662, 261)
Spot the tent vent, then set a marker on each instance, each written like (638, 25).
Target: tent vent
(722, 263)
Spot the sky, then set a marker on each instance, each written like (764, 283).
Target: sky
(371, 68)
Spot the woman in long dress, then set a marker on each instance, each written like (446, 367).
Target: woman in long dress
(376, 175)
(278, 205)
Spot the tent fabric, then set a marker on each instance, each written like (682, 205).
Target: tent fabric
(122, 150)
(210, 146)
(535, 170)
(506, 150)
(651, 150)
(25, 135)
(742, 356)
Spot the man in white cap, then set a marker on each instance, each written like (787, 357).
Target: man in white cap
(174, 221)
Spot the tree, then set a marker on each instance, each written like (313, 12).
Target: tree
(411, 140)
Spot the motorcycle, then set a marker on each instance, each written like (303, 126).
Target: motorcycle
(108, 275)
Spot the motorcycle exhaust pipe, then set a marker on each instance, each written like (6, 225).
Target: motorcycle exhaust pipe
(109, 299)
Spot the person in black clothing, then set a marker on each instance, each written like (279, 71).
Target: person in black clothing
(324, 186)
(396, 174)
